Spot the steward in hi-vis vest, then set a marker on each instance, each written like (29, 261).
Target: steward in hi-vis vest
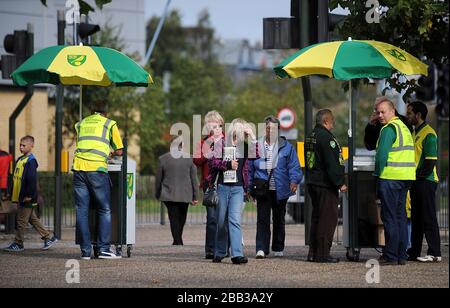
(96, 135)
(423, 189)
(400, 163)
(395, 169)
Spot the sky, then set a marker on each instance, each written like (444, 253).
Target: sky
(232, 19)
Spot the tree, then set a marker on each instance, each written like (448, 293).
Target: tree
(417, 26)
(152, 123)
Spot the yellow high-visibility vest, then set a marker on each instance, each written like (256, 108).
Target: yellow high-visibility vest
(418, 145)
(401, 158)
(93, 138)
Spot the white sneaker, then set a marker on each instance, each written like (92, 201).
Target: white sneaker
(278, 254)
(260, 254)
(429, 258)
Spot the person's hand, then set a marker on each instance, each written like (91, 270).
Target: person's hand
(234, 164)
(250, 198)
(27, 199)
(293, 187)
(248, 130)
(343, 188)
(373, 118)
(194, 202)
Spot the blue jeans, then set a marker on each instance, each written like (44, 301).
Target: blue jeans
(95, 187)
(392, 194)
(230, 206)
(211, 228)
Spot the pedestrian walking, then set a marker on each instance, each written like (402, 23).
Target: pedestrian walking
(176, 185)
(276, 175)
(25, 194)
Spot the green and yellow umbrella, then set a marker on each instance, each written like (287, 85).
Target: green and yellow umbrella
(81, 65)
(345, 60)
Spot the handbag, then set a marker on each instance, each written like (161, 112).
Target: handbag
(210, 197)
(260, 187)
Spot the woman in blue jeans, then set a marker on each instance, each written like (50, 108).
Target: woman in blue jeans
(230, 164)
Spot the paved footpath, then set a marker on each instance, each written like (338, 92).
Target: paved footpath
(155, 263)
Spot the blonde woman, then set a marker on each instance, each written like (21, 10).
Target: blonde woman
(231, 170)
(213, 130)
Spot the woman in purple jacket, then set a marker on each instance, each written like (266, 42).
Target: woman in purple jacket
(229, 165)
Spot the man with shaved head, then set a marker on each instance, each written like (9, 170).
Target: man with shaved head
(324, 179)
(395, 169)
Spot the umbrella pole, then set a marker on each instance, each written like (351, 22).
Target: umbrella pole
(81, 102)
(353, 213)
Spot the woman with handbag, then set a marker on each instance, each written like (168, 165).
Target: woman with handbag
(273, 179)
(213, 129)
(230, 164)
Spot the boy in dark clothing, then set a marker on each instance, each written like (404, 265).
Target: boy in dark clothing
(25, 195)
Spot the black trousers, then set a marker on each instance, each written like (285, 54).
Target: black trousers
(177, 216)
(264, 207)
(324, 220)
(423, 219)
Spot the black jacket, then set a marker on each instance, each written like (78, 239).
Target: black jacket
(323, 159)
(372, 132)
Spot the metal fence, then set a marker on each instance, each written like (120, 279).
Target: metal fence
(151, 211)
(442, 208)
(148, 209)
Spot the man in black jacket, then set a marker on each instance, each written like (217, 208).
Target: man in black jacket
(324, 178)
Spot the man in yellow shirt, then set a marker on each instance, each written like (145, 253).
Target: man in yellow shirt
(96, 136)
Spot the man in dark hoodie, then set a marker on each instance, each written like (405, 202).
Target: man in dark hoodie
(325, 177)
(25, 195)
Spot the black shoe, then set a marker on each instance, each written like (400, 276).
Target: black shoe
(209, 256)
(311, 259)
(239, 260)
(385, 262)
(401, 262)
(217, 259)
(327, 260)
(412, 259)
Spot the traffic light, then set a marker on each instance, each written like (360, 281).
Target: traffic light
(289, 32)
(442, 92)
(21, 46)
(426, 89)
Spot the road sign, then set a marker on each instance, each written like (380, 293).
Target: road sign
(287, 118)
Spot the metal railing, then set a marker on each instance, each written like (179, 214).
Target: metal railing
(442, 208)
(151, 211)
(148, 209)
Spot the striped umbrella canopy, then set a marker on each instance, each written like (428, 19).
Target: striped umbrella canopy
(345, 60)
(81, 65)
